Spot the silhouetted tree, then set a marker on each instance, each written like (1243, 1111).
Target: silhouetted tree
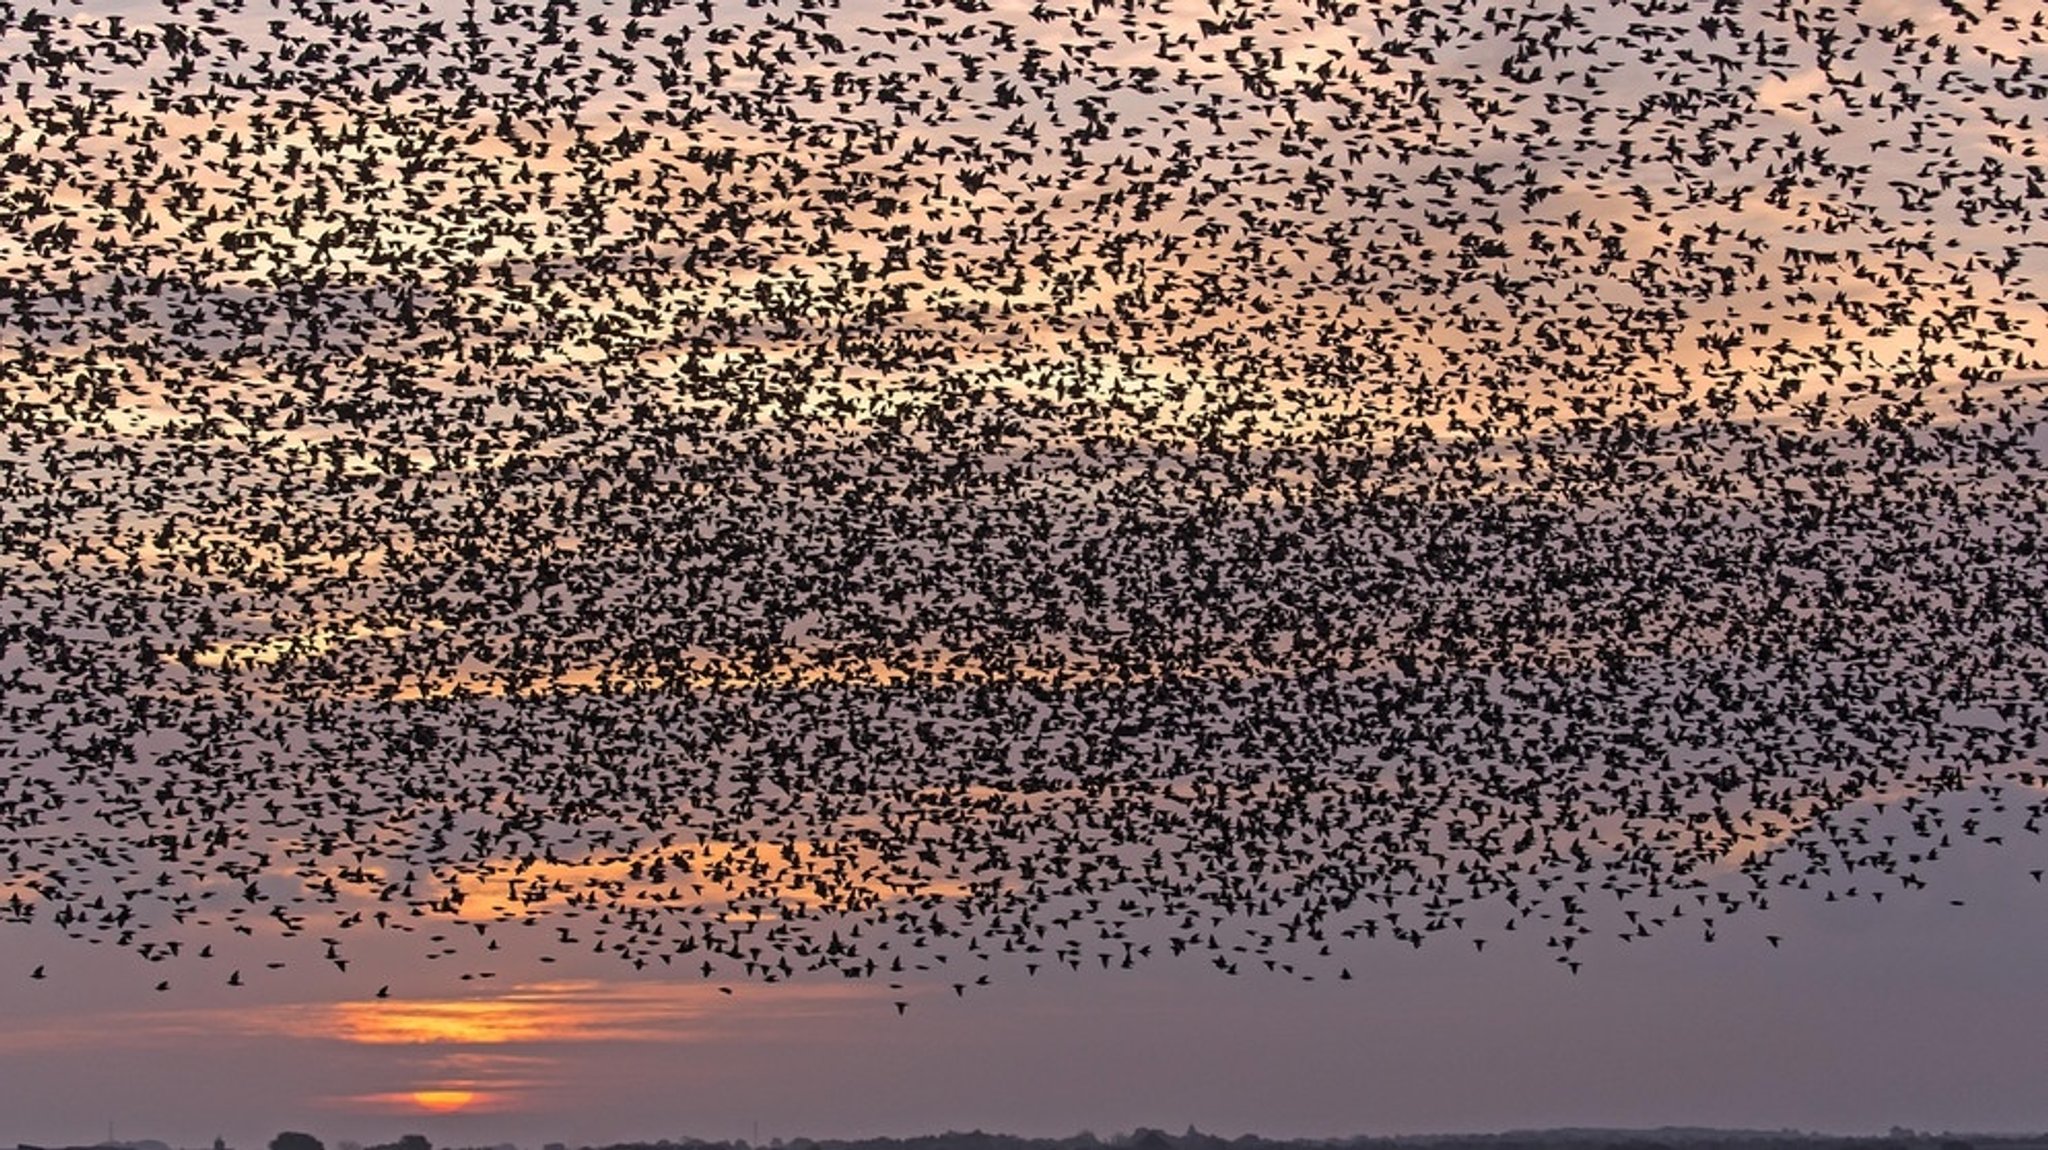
(294, 1140)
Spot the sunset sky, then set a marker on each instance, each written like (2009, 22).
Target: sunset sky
(1919, 1014)
(588, 571)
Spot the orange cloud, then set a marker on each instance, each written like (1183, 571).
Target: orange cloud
(547, 1012)
(534, 1014)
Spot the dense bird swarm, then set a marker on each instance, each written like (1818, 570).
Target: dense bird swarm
(790, 485)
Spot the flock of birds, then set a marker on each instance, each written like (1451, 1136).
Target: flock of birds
(818, 487)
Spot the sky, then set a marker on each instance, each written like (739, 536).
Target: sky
(1866, 1016)
(583, 572)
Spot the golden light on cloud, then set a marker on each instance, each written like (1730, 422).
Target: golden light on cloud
(470, 1023)
(541, 1014)
(550, 1012)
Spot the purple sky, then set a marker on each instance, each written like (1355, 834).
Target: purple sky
(1912, 1012)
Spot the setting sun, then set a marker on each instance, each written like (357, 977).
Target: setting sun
(473, 1099)
(443, 1101)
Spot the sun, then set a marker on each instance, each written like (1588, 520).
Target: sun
(443, 1101)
